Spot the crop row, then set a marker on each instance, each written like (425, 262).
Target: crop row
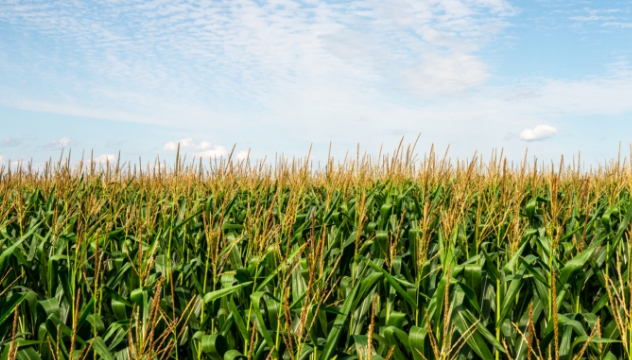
(359, 261)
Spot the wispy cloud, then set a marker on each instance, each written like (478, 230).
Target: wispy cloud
(116, 144)
(618, 24)
(59, 144)
(1, 159)
(591, 18)
(539, 132)
(613, 17)
(11, 142)
(253, 55)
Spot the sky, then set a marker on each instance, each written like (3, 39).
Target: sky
(138, 77)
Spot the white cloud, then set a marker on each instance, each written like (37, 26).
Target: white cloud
(1, 159)
(201, 149)
(243, 155)
(216, 151)
(62, 143)
(440, 75)
(204, 145)
(539, 132)
(105, 158)
(184, 143)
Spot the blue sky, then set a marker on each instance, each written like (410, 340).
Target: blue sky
(276, 76)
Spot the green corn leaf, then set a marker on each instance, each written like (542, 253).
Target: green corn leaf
(339, 322)
(474, 339)
(215, 346)
(393, 283)
(417, 338)
(255, 300)
(234, 355)
(577, 263)
(9, 307)
(217, 294)
(28, 354)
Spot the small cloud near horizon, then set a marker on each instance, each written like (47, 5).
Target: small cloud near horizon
(62, 143)
(203, 148)
(539, 132)
(105, 158)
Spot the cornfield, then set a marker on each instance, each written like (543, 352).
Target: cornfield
(395, 257)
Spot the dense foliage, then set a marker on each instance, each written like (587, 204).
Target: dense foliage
(399, 259)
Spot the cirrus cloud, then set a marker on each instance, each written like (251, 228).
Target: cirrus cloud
(539, 132)
(258, 55)
(10, 142)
